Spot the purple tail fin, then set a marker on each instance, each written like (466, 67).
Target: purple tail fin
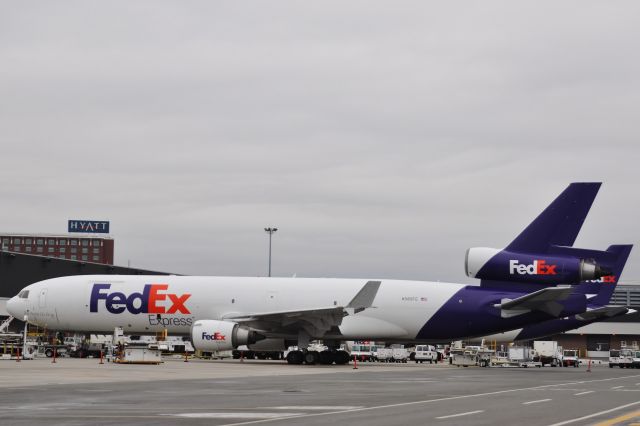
(560, 223)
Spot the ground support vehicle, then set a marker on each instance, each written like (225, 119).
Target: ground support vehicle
(363, 351)
(635, 363)
(547, 352)
(384, 355)
(570, 358)
(425, 353)
(622, 358)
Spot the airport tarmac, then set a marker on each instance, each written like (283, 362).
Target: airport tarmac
(80, 391)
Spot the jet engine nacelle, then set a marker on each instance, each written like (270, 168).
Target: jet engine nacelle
(500, 265)
(213, 335)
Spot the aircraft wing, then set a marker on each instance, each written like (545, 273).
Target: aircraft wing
(314, 321)
(545, 300)
(602, 313)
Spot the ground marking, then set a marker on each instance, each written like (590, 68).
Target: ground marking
(239, 415)
(617, 387)
(566, 422)
(619, 419)
(535, 402)
(583, 393)
(468, 413)
(405, 404)
(316, 407)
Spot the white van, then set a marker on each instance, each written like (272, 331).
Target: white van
(426, 353)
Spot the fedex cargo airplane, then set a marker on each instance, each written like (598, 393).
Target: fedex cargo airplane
(530, 281)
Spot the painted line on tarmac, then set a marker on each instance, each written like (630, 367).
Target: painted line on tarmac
(619, 419)
(468, 413)
(236, 415)
(617, 387)
(315, 407)
(537, 401)
(583, 393)
(405, 404)
(578, 419)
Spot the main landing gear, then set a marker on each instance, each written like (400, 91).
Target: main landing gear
(327, 357)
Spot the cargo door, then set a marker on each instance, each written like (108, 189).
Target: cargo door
(42, 298)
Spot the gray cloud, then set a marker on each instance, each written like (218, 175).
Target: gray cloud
(383, 140)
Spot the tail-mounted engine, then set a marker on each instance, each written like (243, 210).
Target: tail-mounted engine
(499, 265)
(212, 335)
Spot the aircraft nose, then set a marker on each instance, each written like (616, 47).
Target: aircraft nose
(15, 307)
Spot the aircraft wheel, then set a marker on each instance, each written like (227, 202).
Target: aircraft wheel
(311, 357)
(295, 357)
(325, 358)
(341, 357)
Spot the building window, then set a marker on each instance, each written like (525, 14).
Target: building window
(85, 243)
(39, 250)
(62, 242)
(62, 249)
(74, 250)
(96, 258)
(16, 248)
(84, 257)
(61, 256)
(85, 250)
(39, 241)
(27, 249)
(74, 242)
(97, 243)
(17, 241)
(74, 257)
(96, 251)
(51, 242)
(28, 241)
(51, 249)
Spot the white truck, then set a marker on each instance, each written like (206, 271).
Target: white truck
(363, 351)
(570, 358)
(622, 358)
(426, 353)
(547, 352)
(636, 359)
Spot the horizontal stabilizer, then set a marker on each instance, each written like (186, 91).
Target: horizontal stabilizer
(602, 313)
(545, 300)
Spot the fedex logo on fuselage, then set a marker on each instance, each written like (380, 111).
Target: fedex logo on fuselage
(538, 267)
(152, 300)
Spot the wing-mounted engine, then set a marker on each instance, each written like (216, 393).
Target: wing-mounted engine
(501, 265)
(212, 335)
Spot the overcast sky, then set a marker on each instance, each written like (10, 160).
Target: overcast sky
(382, 138)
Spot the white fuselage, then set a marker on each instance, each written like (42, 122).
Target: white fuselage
(400, 308)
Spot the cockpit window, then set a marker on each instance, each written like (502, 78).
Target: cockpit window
(24, 294)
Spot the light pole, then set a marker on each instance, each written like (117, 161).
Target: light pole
(270, 231)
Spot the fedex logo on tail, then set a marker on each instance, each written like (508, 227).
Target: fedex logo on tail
(538, 267)
(611, 279)
(152, 300)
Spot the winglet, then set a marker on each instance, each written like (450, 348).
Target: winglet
(364, 298)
